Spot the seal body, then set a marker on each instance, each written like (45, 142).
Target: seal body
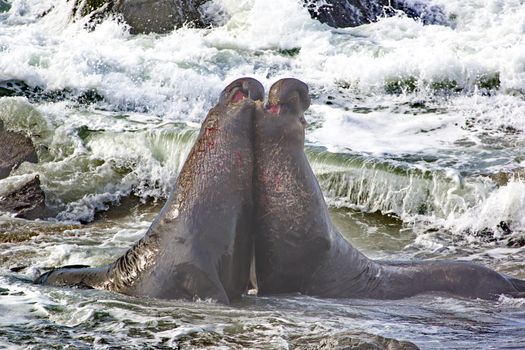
(298, 248)
(200, 245)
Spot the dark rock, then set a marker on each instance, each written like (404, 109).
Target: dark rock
(15, 149)
(161, 16)
(353, 13)
(144, 16)
(516, 242)
(504, 228)
(421, 10)
(14, 87)
(4, 6)
(346, 13)
(351, 341)
(27, 201)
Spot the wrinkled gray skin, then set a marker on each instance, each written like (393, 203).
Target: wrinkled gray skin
(298, 248)
(200, 245)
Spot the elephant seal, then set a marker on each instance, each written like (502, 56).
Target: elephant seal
(200, 245)
(298, 248)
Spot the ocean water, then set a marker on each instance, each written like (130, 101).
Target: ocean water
(416, 134)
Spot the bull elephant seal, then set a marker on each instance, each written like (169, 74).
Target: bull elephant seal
(200, 245)
(298, 248)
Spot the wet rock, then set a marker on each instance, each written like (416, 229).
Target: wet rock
(4, 6)
(516, 242)
(503, 178)
(353, 13)
(16, 149)
(27, 201)
(501, 234)
(421, 10)
(144, 16)
(350, 340)
(504, 228)
(13, 87)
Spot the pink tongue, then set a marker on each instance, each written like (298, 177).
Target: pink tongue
(239, 96)
(274, 109)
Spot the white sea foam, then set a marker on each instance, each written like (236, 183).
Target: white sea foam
(130, 68)
(386, 132)
(148, 80)
(384, 93)
(18, 304)
(506, 204)
(515, 303)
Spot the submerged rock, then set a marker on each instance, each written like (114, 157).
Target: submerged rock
(351, 340)
(16, 149)
(144, 16)
(4, 6)
(13, 87)
(353, 13)
(26, 202)
(516, 242)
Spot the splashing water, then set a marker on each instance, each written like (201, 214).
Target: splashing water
(415, 134)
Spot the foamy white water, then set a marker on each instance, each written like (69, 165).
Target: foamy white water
(390, 88)
(421, 124)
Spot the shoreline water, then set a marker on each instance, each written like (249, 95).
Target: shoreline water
(415, 133)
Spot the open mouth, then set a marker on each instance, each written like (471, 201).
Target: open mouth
(238, 96)
(274, 109)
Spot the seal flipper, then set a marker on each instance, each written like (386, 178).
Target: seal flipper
(459, 278)
(74, 276)
(519, 285)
